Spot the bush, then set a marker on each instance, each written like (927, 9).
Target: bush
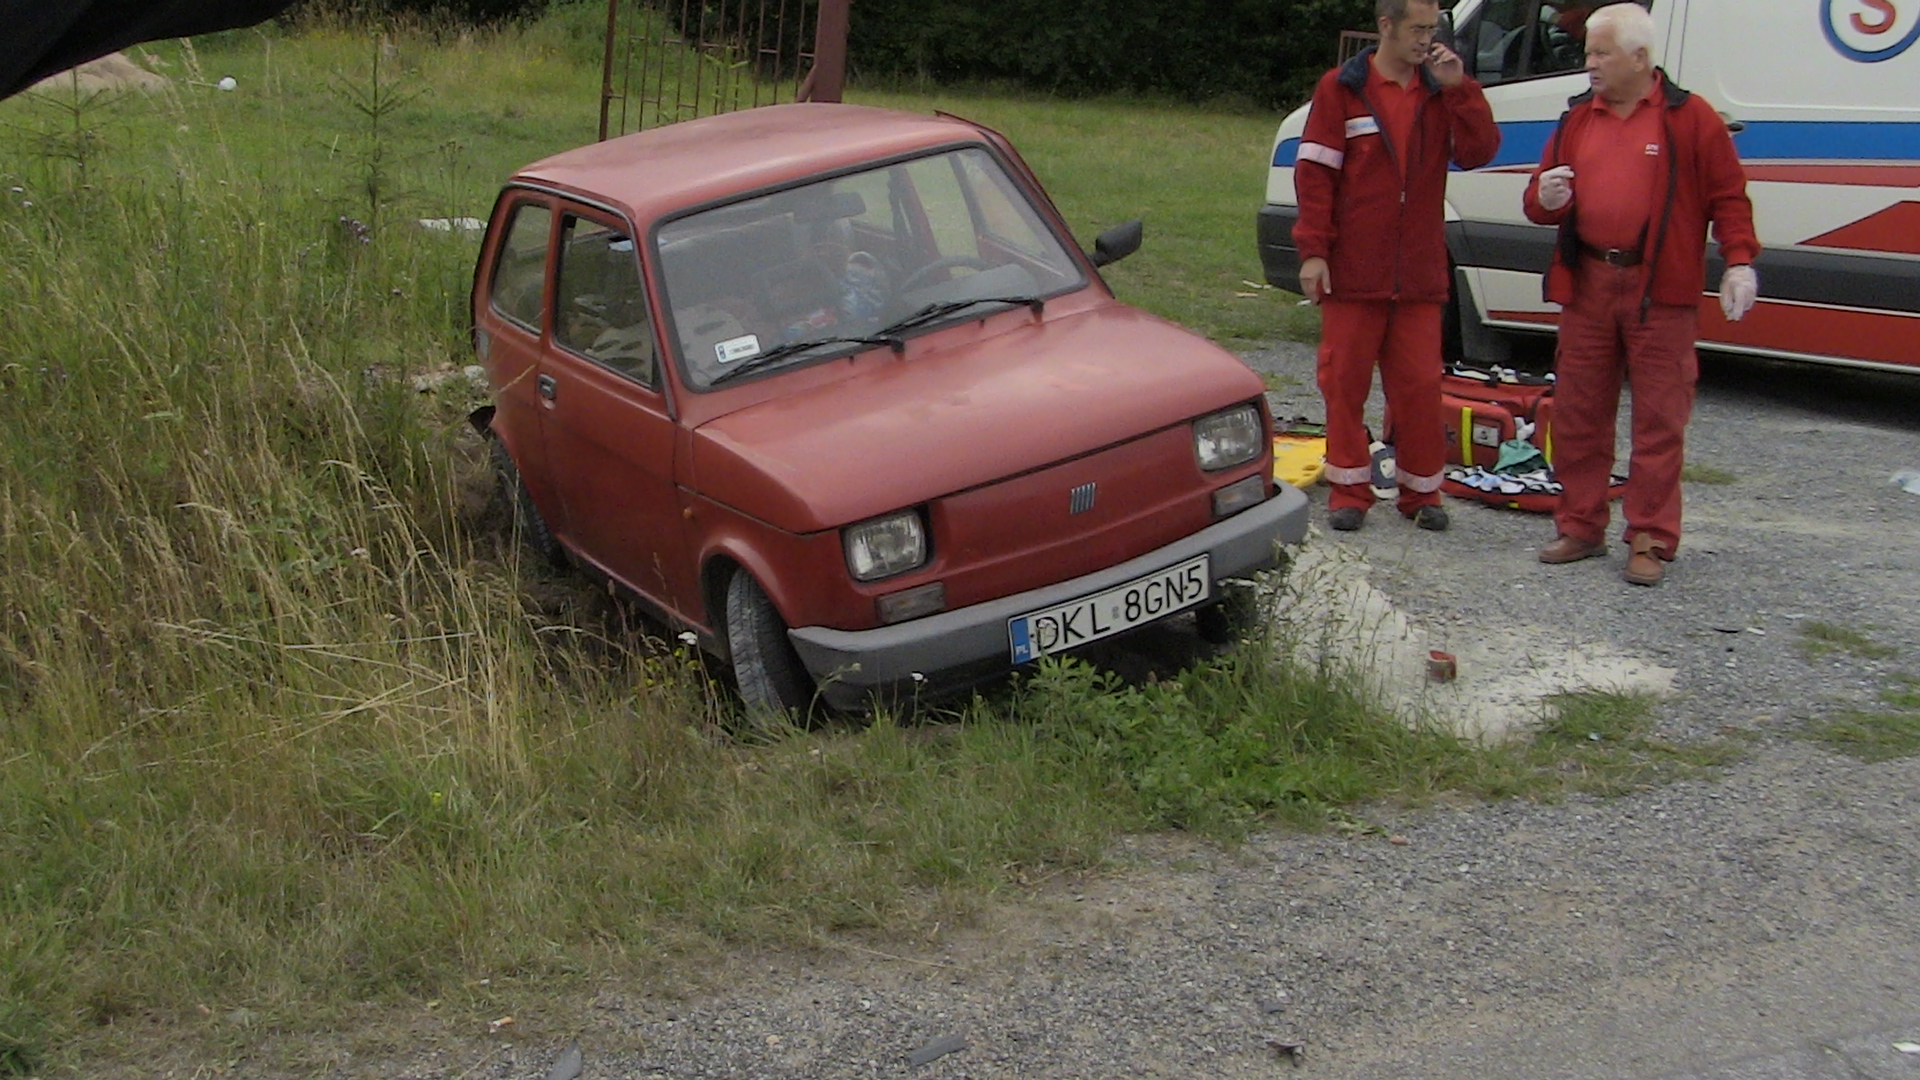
(1189, 49)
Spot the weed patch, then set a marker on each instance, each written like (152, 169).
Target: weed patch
(1877, 734)
(1820, 638)
(1706, 474)
(1601, 743)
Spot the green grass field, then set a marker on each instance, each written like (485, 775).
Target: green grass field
(287, 728)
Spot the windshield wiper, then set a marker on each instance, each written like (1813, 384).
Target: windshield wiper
(943, 308)
(792, 348)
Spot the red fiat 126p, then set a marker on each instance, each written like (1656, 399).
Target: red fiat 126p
(831, 387)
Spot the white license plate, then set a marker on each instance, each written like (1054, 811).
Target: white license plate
(1123, 607)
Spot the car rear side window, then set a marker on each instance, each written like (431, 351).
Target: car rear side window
(600, 307)
(520, 269)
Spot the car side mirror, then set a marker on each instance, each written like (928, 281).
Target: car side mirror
(1116, 243)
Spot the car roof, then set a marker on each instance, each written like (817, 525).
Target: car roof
(663, 169)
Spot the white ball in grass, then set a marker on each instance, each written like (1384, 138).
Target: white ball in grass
(227, 83)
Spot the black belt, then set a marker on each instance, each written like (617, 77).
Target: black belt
(1611, 256)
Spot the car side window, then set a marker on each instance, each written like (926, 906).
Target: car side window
(600, 306)
(520, 267)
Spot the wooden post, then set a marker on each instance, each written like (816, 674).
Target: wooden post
(829, 75)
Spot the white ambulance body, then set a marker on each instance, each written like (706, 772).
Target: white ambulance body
(1823, 97)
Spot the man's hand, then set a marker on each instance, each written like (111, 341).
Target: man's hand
(1739, 288)
(1445, 64)
(1556, 187)
(1315, 285)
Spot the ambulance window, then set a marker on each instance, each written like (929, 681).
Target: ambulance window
(1560, 43)
(1492, 39)
(1508, 40)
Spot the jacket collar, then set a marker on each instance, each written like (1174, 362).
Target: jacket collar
(1353, 73)
(1677, 95)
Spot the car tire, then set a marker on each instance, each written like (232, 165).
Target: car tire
(766, 670)
(523, 517)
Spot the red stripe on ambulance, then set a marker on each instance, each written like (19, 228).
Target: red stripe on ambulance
(1779, 326)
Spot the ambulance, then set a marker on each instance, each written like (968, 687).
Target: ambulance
(1823, 100)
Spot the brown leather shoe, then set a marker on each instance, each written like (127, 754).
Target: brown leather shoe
(1644, 566)
(1568, 549)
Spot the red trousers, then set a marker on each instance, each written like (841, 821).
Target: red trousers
(1403, 341)
(1603, 341)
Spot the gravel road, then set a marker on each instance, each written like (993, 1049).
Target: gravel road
(1764, 924)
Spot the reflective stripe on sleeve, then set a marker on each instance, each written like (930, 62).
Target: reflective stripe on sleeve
(1322, 153)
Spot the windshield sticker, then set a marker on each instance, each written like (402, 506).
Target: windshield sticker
(738, 348)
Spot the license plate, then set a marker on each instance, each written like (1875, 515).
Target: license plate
(1123, 607)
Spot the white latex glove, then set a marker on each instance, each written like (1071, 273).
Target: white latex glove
(1556, 187)
(1739, 288)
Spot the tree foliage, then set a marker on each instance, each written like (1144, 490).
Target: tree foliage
(1264, 51)
(1267, 51)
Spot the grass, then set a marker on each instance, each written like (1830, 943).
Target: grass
(289, 728)
(1821, 638)
(1706, 474)
(1602, 743)
(1877, 734)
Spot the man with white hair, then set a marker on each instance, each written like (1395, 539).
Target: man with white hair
(1633, 175)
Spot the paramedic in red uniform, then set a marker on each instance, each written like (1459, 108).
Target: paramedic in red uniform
(1371, 176)
(1634, 173)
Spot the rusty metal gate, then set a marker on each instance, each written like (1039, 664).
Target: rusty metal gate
(670, 60)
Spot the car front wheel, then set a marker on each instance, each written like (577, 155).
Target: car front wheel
(766, 670)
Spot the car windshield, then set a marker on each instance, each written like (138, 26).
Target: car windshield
(836, 260)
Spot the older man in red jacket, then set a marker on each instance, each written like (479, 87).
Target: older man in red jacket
(1372, 177)
(1634, 173)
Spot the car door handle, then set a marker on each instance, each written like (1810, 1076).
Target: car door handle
(546, 386)
(1734, 127)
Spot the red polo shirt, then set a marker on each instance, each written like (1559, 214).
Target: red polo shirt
(1396, 107)
(1616, 167)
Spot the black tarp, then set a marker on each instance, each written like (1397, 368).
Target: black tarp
(44, 37)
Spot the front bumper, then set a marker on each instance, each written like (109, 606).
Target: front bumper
(953, 650)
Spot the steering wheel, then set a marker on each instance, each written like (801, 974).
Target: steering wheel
(918, 279)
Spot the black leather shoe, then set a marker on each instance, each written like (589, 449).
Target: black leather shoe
(1431, 518)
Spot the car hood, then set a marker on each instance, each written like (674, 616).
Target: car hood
(949, 417)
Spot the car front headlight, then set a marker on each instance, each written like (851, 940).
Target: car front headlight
(1227, 438)
(885, 546)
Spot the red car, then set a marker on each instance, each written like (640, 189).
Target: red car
(831, 387)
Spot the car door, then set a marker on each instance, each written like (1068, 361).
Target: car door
(511, 329)
(609, 428)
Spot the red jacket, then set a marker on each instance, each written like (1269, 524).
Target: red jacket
(1704, 180)
(1384, 238)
